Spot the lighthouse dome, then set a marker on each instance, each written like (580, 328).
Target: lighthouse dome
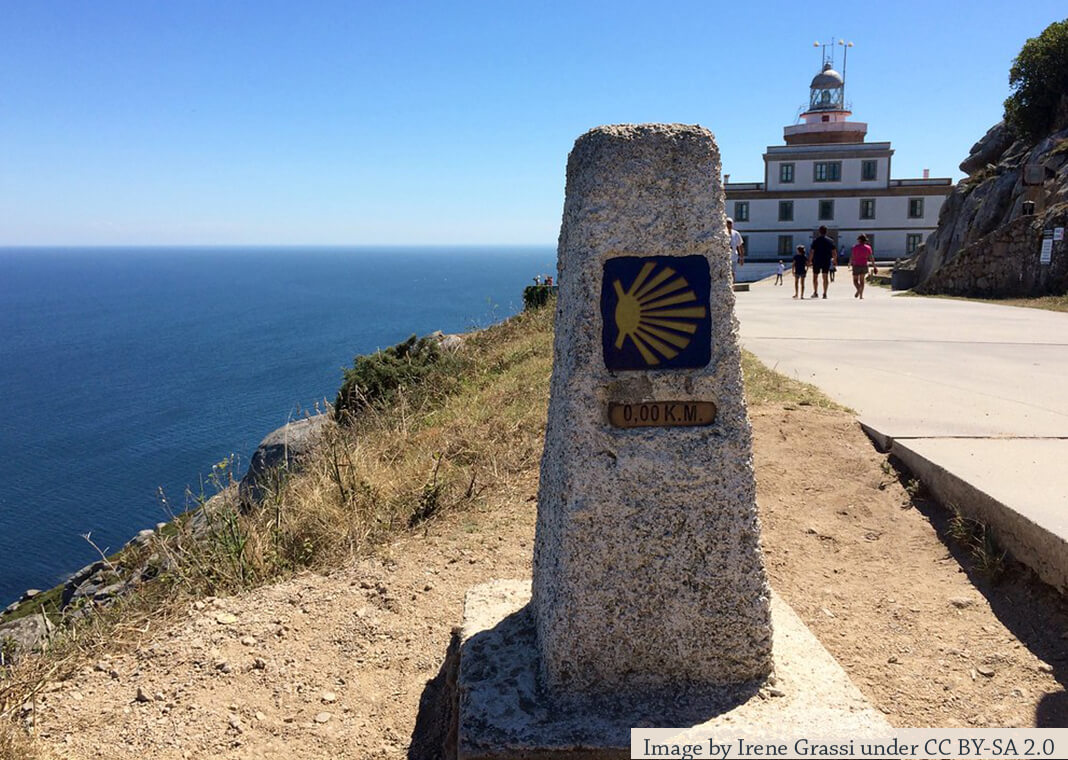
(828, 79)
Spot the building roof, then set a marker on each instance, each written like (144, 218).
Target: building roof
(828, 79)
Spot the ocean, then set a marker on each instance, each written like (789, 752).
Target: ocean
(129, 371)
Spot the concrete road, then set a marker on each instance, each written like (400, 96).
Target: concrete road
(973, 396)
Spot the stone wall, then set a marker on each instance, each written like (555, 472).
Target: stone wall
(993, 195)
(1005, 263)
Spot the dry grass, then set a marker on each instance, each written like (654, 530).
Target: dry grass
(14, 745)
(765, 386)
(978, 540)
(1047, 303)
(400, 465)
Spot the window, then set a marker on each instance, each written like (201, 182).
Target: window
(786, 211)
(869, 169)
(786, 245)
(786, 173)
(827, 171)
(826, 210)
(915, 208)
(867, 208)
(741, 211)
(912, 242)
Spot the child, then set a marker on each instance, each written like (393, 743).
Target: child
(778, 274)
(800, 269)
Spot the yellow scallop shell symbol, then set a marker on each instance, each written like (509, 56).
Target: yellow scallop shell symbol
(660, 319)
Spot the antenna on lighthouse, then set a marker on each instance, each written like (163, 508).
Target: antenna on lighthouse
(827, 58)
(845, 57)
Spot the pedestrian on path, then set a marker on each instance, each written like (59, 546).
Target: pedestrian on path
(821, 252)
(800, 270)
(737, 248)
(779, 273)
(860, 258)
(834, 266)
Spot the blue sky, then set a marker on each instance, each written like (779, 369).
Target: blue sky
(225, 122)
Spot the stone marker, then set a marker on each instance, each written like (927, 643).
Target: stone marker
(650, 605)
(647, 563)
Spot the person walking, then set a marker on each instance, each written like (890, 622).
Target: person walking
(779, 273)
(800, 270)
(737, 247)
(859, 259)
(834, 266)
(820, 254)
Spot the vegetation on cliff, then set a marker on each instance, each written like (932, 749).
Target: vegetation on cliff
(376, 379)
(1039, 78)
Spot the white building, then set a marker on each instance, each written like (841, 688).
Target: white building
(827, 175)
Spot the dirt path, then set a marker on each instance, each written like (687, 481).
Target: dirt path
(337, 666)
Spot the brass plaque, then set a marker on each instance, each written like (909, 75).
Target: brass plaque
(662, 414)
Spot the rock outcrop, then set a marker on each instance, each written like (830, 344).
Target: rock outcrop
(23, 635)
(283, 448)
(980, 215)
(989, 149)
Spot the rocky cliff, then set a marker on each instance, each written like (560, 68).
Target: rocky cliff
(983, 221)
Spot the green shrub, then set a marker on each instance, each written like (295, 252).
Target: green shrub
(1039, 78)
(374, 378)
(536, 296)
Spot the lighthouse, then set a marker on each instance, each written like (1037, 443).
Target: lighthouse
(827, 117)
(827, 174)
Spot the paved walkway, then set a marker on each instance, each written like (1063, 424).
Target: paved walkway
(972, 396)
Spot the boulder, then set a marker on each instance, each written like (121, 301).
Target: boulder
(988, 149)
(283, 448)
(451, 342)
(25, 634)
(141, 539)
(87, 582)
(996, 203)
(447, 341)
(79, 579)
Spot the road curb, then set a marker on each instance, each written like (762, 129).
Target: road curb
(1045, 552)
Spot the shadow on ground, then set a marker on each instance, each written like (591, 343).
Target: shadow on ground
(434, 735)
(1035, 613)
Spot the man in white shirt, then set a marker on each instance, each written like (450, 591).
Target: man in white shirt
(737, 247)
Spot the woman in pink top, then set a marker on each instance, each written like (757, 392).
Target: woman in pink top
(859, 258)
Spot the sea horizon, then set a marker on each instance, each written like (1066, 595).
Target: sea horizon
(122, 375)
(14, 247)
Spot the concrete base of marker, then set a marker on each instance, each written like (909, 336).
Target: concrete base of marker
(741, 287)
(504, 712)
